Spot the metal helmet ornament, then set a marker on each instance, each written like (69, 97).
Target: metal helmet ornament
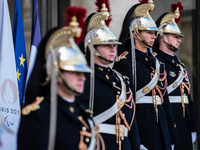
(141, 19)
(62, 53)
(137, 18)
(167, 23)
(68, 56)
(98, 32)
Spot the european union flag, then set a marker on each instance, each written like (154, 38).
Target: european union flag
(20, 50)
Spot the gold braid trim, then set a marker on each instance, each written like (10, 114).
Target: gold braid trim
(80, 118)
(182, 98)
(32, 107)
(99, 138)
(155, 102)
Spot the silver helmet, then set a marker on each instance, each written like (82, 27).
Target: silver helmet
(68, 55)
(141, 20)
(98, 32)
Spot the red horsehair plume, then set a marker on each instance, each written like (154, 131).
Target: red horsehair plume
(143, 1)
(80, 14)
(99, 3)
(173, 8)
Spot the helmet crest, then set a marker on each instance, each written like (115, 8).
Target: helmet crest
(175, 8)
(80, 14)
(99, 3)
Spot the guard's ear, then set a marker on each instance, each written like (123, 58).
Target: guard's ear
(134, 35)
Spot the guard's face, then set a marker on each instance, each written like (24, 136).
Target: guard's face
(174, 39)
(107, 51)
(75, 80)
(149, 36)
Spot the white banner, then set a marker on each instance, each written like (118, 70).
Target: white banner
(9, 96)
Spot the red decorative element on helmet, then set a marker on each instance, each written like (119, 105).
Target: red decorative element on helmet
(173, 8)
(99, 3)
(80, 14)
(143, 1)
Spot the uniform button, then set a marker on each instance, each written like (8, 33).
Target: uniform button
(71, 109)
(114, 83)
(172, 61)
(108, 70)
(84, 128)
(146, 59)
(118, 92)
(87, 140)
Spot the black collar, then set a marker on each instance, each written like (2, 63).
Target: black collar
(146, 58)
(169, 58)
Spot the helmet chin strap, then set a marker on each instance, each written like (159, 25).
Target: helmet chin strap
(140, 38)
(62, 80)
(105, 59)
(171, 47)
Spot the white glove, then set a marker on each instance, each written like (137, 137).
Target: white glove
(173, 146)
(142, 147)
(194, 136)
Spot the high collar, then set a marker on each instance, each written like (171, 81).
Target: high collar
(103, 68)
(106, 74)
(169, 58)
(146, 58)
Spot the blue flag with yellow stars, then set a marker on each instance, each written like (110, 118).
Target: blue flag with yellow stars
(20, 50)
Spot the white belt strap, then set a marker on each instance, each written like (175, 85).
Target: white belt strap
(149, 100)
(177, 99)
(177, 82)
(113, 109)
(93, 139)
(146, 89)
(110, 129)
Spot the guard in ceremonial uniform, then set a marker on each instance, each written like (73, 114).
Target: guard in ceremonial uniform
(112, 105)
(178, 88)
(56, 120)
(148, 78)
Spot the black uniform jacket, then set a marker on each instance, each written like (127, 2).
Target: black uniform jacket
(34, 128)
(156, 133)
(185, 125)
(104, 97)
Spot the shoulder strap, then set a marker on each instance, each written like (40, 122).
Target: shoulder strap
(177, 82)
(114, 108)
(147, 88)
(93, 139)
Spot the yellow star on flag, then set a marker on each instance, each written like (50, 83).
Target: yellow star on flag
(18, 74)
(22, 60)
